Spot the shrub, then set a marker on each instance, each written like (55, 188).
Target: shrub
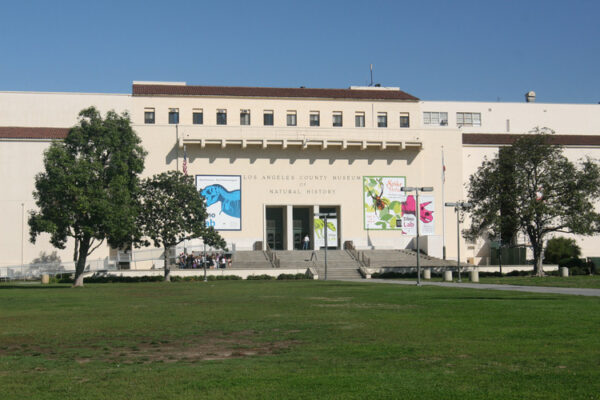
(560, 248)
(263, 277)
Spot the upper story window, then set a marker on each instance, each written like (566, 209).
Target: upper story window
(244, 117)
(337, 118)
(197, 116)
(315, 119)
(468, 119)
(359, 119)
(268, 118)
(404, 120)
(221, 117)
(173, 115)
(149, 115)
(435, 118)
(291, 118)
(382, 120)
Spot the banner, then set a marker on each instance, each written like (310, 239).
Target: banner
(383, 200)
(387, 207)
(332, 234)
(223, 200)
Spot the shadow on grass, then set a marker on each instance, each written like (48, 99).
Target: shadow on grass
(524, 298)
(35, 287)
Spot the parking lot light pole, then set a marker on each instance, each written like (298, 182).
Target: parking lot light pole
(417, 215)
(325, 216)
(458, 206)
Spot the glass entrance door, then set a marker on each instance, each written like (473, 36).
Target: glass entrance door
(301, 223)
(275, 227)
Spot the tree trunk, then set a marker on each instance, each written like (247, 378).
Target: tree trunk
(84, 246)
(537, 258)
(167, 269)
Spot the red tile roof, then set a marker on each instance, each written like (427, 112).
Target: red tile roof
(505, 139)
(21, 132)
(233, 91)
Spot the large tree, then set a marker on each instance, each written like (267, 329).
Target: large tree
(89, 188)
(545, 192)
(174, 211)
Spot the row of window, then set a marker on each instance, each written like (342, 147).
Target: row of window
(429, 118)
(441, 118)
(268, 118)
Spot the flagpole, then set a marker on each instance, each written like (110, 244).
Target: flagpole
(443, 208)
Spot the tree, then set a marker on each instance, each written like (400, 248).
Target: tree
(559, 248)
(172, 212)
(548, 193)
(90, 186)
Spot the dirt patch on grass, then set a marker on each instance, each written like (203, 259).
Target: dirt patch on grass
(166, 350)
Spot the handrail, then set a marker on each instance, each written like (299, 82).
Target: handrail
(314, 259)
(358, 256)
(272, 257)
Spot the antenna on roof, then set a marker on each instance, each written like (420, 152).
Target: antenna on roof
(371, 75)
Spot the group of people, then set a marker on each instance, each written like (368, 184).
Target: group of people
(212, 261)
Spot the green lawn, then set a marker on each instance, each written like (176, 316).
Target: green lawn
(295, 340)
(578, 281)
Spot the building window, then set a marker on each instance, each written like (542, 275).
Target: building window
(268, 118)
(359, 119)
(173, 115)
(404, 120)
(382, 120)
(337, 118)
(314, 118)
(435, 118)
(197, 116)
(468, 119)
(244, 117)
(149, 116)
(291, 118)
(221, 117)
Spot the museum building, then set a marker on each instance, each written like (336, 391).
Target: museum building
(271, 161)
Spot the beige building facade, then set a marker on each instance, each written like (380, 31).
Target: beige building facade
(270, 159)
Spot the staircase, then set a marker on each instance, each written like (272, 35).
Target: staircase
(339, 264)
(405, 258)
(250, 260)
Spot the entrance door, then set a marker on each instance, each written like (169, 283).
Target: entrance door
(275, 227)
(301, 225)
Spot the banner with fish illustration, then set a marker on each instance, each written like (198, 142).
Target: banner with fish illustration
(386, 207)
(223, 200)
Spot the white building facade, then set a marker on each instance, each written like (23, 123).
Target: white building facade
(269, 160)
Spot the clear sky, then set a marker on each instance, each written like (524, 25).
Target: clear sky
(468, 50)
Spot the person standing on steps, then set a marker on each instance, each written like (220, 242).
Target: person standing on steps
(305, 242)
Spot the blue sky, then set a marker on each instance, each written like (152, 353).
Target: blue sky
(436, 50)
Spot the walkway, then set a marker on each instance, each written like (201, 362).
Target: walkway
(516, 288)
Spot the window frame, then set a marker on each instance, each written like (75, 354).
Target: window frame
(462, 120)
(195, 113)
(147, 112)
(268, 114)
(334, 116)
(439, 119)
(173, 116)
(221, 116)
(294, 114)
(245, 118)
(359, 116)
(382, 123)
(404, 116)
(314, 121)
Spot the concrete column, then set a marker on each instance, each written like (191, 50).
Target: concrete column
(45, 279)
(427, 273)
(474, 275)
(289, 227)
(564, 272)
(447, 276)
(311, 234)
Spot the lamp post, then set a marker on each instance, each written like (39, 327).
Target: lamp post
(418, 212)
(325, 216)
(458, 206)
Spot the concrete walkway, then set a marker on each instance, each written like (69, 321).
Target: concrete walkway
(516, 288)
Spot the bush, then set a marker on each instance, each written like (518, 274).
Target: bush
(578, 266)
(560, 248)
(263, 277)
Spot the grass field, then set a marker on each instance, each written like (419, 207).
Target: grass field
(578, 281)
(295, 340)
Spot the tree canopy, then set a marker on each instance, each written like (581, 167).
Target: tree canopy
(89, 188)
(532, 187)
(174, 211)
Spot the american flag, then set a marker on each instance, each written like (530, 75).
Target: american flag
(184, 160)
